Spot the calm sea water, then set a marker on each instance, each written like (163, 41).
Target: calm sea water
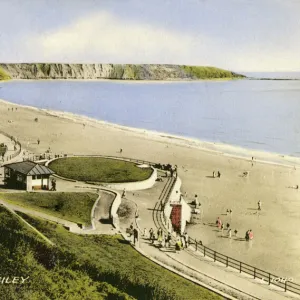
(263, 115)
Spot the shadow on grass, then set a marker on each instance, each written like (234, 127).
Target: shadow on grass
(210, 177)
(125, 242)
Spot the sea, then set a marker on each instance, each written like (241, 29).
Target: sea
(249, 113)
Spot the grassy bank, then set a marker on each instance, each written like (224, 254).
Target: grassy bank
(74, 207)
(51, 272)
(98, 169)
(210, 73)
(113, 260)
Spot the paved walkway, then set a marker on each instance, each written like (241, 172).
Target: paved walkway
(192, 263)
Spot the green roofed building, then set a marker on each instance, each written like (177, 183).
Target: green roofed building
(27, 175)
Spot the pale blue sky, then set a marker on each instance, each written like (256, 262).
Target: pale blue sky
(241, 35)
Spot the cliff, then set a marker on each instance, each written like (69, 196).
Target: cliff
(113, 71)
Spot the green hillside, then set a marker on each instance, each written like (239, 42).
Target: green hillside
(82, 267)
(4, 75)
(210, 72)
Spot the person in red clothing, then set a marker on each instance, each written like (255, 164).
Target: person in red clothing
(250, 235)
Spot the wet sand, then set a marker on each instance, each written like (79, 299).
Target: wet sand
(276, 241)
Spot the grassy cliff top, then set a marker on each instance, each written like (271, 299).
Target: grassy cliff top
(210, 72)
(114, 71)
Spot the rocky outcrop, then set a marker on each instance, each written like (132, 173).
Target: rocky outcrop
(113, 71)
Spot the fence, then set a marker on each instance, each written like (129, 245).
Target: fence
(17, 151)
(285, 283)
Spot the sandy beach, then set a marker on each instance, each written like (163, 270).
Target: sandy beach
(276, 239)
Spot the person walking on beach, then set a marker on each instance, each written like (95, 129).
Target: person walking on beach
(251, 235)
(222, 229)
(38, 141)
(259, 205)
(229, 233)
(219, 222)
(214, 174)
(247, 235)
(219, 174)
(121, 150)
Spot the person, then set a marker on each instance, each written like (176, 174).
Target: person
(259, 205)
(247, 235)
(159, 236)
(214, 175)
(235, 232)
(229, 233)
(151, 234)
(186, 239)
(131, 227)
(250, 235)
(121, 150)
(182, 241)
(219, 174)
(219, 223)
(38, 141)
(135, 235)
(227, 225)
(222, 228)
(197, 204)
(145, 233)
(178, 245)
(168, 239)
(124, 193)
(53, 183)
(167, 243)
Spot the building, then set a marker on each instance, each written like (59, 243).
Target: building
(27, 175)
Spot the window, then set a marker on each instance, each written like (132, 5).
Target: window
(39, 176)
(33, 177)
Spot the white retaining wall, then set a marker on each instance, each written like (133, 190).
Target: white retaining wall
(129, 186)
(114, 209)
(134, 186)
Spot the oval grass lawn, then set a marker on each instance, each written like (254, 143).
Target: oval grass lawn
(99, 169)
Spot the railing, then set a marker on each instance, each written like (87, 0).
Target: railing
(18, 151)
(286, 284)
(282, 282)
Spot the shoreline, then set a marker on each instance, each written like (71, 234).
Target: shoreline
(227, 150)
(129, 81)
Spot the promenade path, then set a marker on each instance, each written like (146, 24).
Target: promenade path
(192, 263)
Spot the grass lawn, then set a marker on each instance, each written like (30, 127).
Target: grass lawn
(75, 207)
(113, 260)
(98, 169)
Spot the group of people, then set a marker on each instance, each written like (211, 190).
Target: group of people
(164, 240)
(216, 174)
(249, 235)
(221, 227)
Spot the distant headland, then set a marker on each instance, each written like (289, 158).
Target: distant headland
(113, 71)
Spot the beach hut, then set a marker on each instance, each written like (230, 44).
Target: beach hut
(27, 175)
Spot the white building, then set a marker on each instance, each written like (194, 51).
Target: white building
(27, 175)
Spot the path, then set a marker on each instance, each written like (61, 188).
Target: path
(194, 264)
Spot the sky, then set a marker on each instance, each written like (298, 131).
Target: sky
(240, 35)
